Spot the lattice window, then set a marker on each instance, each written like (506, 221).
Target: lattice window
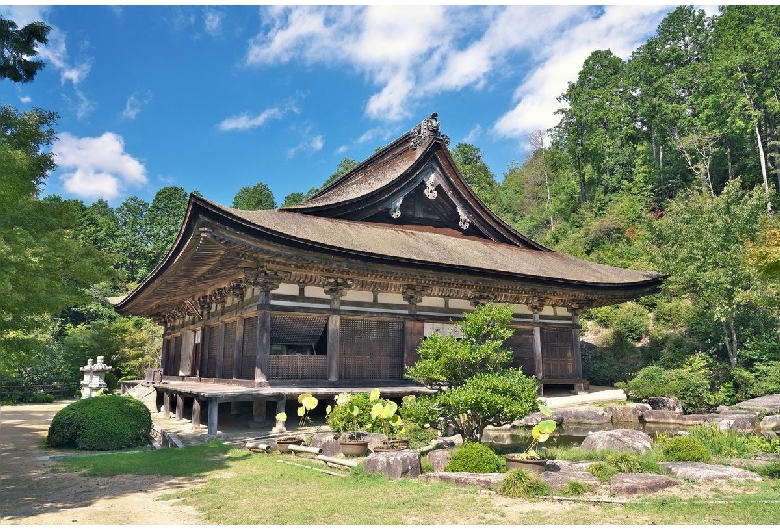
(557, 354)
(249, 358)
(293, 329)
(522, 345)
(298, 367)
(211, 360)
(371, 349)
(230, 348)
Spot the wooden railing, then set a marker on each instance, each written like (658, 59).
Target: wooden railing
(298, 367)
(370, 367)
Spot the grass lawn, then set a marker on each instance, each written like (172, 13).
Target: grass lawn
(246, 488)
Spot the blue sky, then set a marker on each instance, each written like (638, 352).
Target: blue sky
(216, 98)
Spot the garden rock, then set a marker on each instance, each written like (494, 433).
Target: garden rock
(456, 440)
(770, 423)
(439, 458)
(394, 464)
(699, 471)
(769, 403)
(328, 442)
(630, 413)
(638, 483)
(664, 403)
(558, 479)
(618, 439)
(482, 480)
(585, 415)
(739, 424)
(662, 416)
(566, 466)
(535, 417)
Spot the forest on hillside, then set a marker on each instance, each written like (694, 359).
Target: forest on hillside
(667, 161)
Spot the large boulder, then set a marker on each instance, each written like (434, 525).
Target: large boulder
(482, 480)
(664, 403)
(629, 413)
(770, 423)
(584, 415)
(394, 464)
(638, 483)
(328, 442)
(662, 416)
(700, 471)
(618, 439)
(439, 458)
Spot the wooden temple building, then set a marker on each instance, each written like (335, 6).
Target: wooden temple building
(336, 293)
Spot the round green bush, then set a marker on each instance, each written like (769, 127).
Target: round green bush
(472, 457)
(686, 449)
(523, 483)
(41, 397)
(602, 470)
(102, 423)
(624, 462)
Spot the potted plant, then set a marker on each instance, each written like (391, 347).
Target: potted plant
(344, 419)
(530, 459)
(384, 411)
(307, 403)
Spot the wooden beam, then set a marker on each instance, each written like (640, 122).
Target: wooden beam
(220, 349)
(166, 405)
(195, 414)
(538, 361)
(238, 348)
(205, 339)
(575, 346)
(179, 407)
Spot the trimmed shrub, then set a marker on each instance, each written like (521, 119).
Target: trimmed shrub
(686, 449)
(103, 423)
(40, 397)
(472, 457)
(523, 483)
(691, 387)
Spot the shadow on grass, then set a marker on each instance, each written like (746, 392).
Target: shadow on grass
(175, 462)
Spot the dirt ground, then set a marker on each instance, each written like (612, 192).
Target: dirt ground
(31, 495)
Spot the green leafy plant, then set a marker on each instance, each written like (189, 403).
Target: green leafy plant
(103, 423)
(686, 449)
(602, 470)
(540, 433)
(523, 484)
(350, 415)
(472, 457)
(307, 403)
(624, 462)
(384, 411)
(575, 488)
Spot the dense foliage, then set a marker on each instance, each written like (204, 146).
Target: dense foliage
(101, 423)
(472, 457)
(686, 449)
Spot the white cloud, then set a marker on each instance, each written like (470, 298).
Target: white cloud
(244, 121)
(25, 99)
(473, 134)
(416, 52)
(55, 53)
(309, 144)
(212, 20)
(620, 29)
(97, 167)
(134, 104)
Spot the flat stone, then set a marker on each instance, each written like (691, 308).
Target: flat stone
(618, 439)
(439, 458)
(638, 483)
(481, 480)
(629, 413)
(566, 466)
(535, 417)
(739, 424)
(394, 464)
(587, 415)
(700, 471)
(662, 416)
(558, 479)
(769, 403)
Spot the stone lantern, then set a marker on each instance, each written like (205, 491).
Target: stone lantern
(94, 377)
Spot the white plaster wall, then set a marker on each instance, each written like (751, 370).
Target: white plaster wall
(391, 298)
(315, 291)
(457, 303)
(432, 301)
(359, 296)
(290, 289)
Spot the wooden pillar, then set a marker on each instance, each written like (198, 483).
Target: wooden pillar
(238, 348)
(166, 405)
(195, 414)
(220, 349)
(413, 335)
(575, 345)
(205, 339)
(281, 403)
(334, 346)
(258, 410)
(213, 413)
(263, 338)
(179, 407)
(538, 361)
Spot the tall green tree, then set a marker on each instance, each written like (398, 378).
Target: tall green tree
(471, 164)
(701, 243)
(163, 220)
(134, 243)
(18, 49)
(257, 197)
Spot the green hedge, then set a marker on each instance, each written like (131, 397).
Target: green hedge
(102, 423)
